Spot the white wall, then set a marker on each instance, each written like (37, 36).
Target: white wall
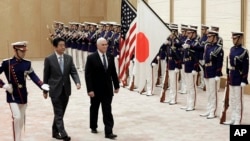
(162, 8)
(187, 12)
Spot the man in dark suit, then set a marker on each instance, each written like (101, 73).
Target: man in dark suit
(101, 77)
(57, 70)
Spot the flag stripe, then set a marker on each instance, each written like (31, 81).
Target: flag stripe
(127, 47)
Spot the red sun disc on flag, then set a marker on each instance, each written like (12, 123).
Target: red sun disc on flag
(142, 47)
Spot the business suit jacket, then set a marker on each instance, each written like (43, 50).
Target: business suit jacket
(98, 79)
(53, 75)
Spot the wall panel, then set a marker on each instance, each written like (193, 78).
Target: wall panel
(187, 12)
(30, 26)
(161, 7)
(5, 28)
(114, 10)
(93, 11)
(50, 11)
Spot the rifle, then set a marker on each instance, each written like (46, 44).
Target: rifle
(226, 97)
(165, 86)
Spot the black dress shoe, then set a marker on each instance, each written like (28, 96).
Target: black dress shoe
(94, 131)
(67, 138)
(57, 136)
(111, 136)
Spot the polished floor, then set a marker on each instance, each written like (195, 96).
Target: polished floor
(137, 117)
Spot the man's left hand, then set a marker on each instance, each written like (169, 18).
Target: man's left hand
(116, 91)
(78, 86)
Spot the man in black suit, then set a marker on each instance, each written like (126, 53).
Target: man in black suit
(57, 70)
(100, 77)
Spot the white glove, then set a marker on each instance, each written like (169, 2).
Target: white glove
(217, 78)
(186, 46)
(153, 64)
(8, 87)
(158, 57)
(45, 87)
(194, 72)
(176, 70)
(117, 56)
(242, 84)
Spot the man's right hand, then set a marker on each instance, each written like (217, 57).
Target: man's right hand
(91, 94)
(8, 87)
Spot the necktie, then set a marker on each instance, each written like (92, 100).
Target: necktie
(104, 62)
(61, 63)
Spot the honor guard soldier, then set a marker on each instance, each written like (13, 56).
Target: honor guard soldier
(220, 43)
(85, 43)
(116, 44)
(73, 38)
(191, 67)
(102, 29)
(65, 34)
(183, 37)
(16, 70)
(92, 38)
(173, 63)
(203, 39)
(213, 62)
(109, 35)
(238, 74)
(68, 40)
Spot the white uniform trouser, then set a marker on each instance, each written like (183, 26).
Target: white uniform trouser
(212, 95)
(18, 114)
(218, 85)
(85, 55)
(235, 96)
(173, 79)
(183, 80)
(68, 51)
(130, 73)
(153, 80)
(163, 70)
(75, 59)
(80, 59)
(191, 89)
(202, 83)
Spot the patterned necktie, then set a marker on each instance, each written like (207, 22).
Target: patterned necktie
(61, 63)
(104, 62)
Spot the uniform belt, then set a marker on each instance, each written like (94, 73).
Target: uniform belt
(170, 58)
(187, 59)
(208, 64)
(18, 86)
(231, 68)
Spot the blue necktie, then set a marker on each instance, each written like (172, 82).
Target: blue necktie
(104, 62)
(61, 63)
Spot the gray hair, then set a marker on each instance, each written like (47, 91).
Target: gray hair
(99, 40)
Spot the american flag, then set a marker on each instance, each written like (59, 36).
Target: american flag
(128, 40)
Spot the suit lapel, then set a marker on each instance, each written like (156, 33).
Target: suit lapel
(99, 60)
(65, 58)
